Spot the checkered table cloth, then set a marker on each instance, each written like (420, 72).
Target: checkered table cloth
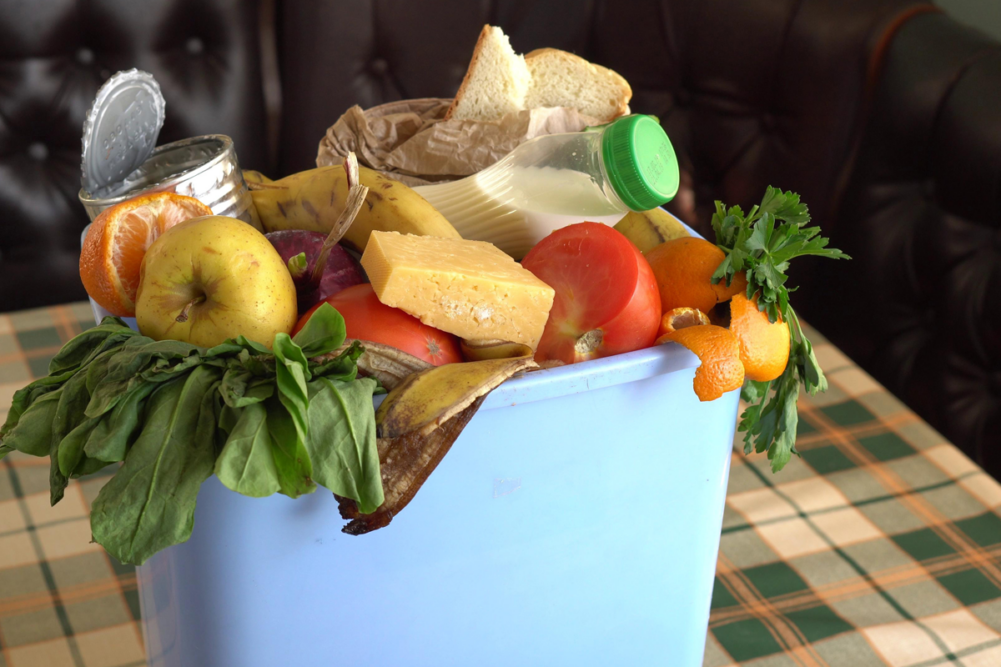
(881, 546)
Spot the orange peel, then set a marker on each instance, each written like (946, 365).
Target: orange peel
(680, 318)
(117, 241)
(718, 350)
(764, 345)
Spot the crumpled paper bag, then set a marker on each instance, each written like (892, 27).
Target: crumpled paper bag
(410, 141)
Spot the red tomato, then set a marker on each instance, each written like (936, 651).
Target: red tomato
(367, 318)
(607, 301)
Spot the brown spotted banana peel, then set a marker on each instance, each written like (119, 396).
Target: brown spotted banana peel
(426, 400)
(648, 229)
(313, 200)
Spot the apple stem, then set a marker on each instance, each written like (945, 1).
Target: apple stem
(356, 198)
(183, 317)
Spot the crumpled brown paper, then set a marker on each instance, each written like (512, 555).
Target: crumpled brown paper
(410, 141)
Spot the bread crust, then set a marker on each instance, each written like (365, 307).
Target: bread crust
(617, 80)
(477, 50)
(604, 72)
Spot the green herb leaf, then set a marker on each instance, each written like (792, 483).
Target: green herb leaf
(288, 448)
(117, 430)
(342, 442)
(33, 433)
(84, 345)
(241, 388)
(761, 244)
(246, 464)
(150, 502)
(323, 332)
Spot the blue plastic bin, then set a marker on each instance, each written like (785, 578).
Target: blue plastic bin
(576, 521)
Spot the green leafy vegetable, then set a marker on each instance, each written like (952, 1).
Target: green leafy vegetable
(322, 334)
(150, 503)
(347, 462)
(761, 244)
(263, 420)
(245, 464)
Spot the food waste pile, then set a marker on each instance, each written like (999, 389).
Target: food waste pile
(259, 349)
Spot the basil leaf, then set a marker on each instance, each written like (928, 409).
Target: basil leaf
(149, 504)
(25, 397)
(342, 367)
(323, 332)
(292, 375)
(240, 388)
(117, 430)
(131, 361)
(246, 464)
(70, 451)
(342, 443)
(81, 347)
(33, 433)
(70, 413)
(295, 470)
(247, 344)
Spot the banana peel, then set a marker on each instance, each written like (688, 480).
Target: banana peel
(252, 178)
(483, 349)
(648, 229)
(422, 416)
(313, 200)
(386, 364)
(426, 400)
(405, 463)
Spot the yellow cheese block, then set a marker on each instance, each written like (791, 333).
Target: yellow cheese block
(467, 288)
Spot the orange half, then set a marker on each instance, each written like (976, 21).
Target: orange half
(118, 239)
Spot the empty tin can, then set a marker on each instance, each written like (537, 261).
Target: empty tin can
(119, 160)
(205, 168)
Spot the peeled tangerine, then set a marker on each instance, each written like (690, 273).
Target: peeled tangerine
(718, 350)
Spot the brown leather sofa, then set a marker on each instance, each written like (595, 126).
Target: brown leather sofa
(884, 114)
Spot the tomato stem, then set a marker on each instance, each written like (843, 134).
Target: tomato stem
(589, 342)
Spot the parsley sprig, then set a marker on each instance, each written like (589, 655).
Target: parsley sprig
(761, 244)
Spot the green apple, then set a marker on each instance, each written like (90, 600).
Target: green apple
(213, 278)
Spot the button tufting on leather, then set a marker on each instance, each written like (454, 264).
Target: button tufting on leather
(683, 97)
(379, 66)
(38, 151)
(194, 46)
(928, 188)
(768, 122)
(84, 56)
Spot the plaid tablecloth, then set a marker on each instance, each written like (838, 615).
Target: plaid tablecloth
(882, 546)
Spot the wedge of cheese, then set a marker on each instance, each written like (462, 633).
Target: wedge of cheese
(467, 288)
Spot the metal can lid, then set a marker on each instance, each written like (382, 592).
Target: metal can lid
(121, 129)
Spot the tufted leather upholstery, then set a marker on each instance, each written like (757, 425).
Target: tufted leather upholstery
(54, 55)
(881, 114)
(920, 306)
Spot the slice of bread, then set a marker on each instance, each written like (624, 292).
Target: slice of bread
(561, 79)
(496, 81)
(499, 81)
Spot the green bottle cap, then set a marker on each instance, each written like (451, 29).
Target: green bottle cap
(640, 162)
